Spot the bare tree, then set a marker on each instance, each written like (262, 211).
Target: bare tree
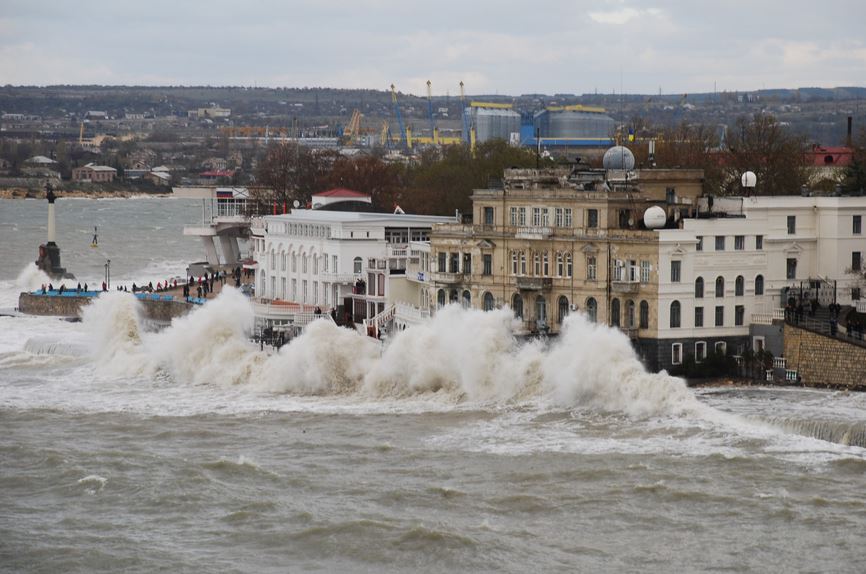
(288, 172)
(764, 146)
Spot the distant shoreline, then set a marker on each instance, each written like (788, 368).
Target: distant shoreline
(21, 193)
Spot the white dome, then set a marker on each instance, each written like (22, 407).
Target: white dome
(654, 217)
(618, 157)
(749, 179)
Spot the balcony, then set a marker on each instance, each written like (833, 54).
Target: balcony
(340, 278)
(533, 232)
(534, 283)
(625, 286)
(447, 278)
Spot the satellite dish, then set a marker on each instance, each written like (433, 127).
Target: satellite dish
(749, 180)
(296, 204)
(654, 217)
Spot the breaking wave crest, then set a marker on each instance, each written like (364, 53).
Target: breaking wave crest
(31, 278)
(459, 355)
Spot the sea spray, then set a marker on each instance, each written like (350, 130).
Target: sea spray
(460, 354)
(211, 344)
(471, 354)
(31, 278)
(112, 325)
(324, 360)
(594, 365)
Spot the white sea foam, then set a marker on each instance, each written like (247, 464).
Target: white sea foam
(31, 278)
(461, 355)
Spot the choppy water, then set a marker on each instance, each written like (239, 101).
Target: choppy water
(454, 449)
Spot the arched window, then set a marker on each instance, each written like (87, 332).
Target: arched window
(467, 299)
(562, 308)
(740, 286)
(699, 287)
(675, 314)
(356, 265)
(488, 301)
(453, 296)
(540, 311)
(720, 286)
(629, 314)
(614, 312)
(759, 285)
(592, 309)
(517, 305)
(440, 298)
(644, 315)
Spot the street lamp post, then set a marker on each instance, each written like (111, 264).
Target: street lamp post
(108, 273)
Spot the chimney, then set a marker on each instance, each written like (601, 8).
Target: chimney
(848, 138)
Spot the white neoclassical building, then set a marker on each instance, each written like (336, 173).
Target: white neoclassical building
(340, 260)
(744, 259)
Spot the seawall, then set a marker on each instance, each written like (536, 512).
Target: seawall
(823, 361)
(71, 306)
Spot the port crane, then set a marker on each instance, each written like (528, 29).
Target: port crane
(403, 137)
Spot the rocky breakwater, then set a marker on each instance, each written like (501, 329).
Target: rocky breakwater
(70, 305)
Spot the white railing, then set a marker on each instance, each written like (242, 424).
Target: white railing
(767, 318)
(861, 306)
(779, 362)
(410, 314)
(791, 375)
(397, 251)
(339, 277)
(381, 319)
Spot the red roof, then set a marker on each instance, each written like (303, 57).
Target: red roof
(820, 156)
(340, 192)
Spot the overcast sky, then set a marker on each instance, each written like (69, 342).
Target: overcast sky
(556, 46)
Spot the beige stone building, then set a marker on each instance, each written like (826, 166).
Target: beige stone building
(548, 242)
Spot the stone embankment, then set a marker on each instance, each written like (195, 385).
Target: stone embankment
(71, 306)
(822, 361)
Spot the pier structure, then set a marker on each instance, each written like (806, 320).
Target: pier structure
(225, 230)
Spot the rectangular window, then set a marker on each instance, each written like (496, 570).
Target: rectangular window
(739, 242)
(569, 265)
(590, 267)
(467, 264)
(557, 217)
(488, 216)
(521, 216)
(334, 261)
(677, 354)
(791, 268)
(545, 262)
(304, 290)
(315, 292)
(294, 289)
(855, 261)
(325, 263)
(699, 316)
(315, 265)
(720, 316)
(759, 242)
(514, 262)
(592, 218)
(700, 245)
(792, 224)
(545, 217)
(700, 351)
(676, 267)
(739, 315)
(568, 217)
(443, 262)
(720, 242)
(304, 264)
(522, 263)
(537, 259)
(513, 216)
(487, 264)
(559, 264)
(856, 225)
(644, 271)
(454, 262)
(721, 348)
(536, 217)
